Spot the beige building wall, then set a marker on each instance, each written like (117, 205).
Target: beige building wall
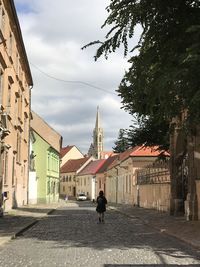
(198, 197)
(154, 196)
(15, 83)
(68, 184)
(84, 185)
(100, 183)
(111, 185)
(121, 180)
(74, 153)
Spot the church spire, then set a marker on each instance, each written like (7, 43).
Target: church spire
(97, 125)
(96, 147)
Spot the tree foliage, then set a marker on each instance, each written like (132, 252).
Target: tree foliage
(163, 80)
(121, 144)
(149, 133)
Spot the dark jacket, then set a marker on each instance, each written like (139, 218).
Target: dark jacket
(101, 204)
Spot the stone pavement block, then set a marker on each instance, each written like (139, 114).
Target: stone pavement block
(14, 222)
(187, 231)
(18, 220)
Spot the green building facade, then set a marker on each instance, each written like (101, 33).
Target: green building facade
(47, 165)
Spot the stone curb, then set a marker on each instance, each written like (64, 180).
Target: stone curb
(166, 232)
(24, 228)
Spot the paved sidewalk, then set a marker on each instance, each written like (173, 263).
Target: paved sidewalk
(17, 220)
(187, 231)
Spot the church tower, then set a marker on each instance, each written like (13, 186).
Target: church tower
(97, 146)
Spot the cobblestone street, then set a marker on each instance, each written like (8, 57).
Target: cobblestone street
(71, 237)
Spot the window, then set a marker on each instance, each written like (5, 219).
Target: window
(63, 188)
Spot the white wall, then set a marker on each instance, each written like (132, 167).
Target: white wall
(32, 188)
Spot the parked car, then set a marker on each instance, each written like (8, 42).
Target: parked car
(81, 196)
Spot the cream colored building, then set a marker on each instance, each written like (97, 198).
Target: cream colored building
(86, 179)
(121, 184)
(15, 84)
(102, 174)
(70, 152)
(68, 173)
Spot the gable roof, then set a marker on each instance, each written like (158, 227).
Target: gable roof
(92, 167)
(121, 157)
(45, 131)
(73, 165)
(146, 151)
(138, 151)
(65, 150)
(107, 163)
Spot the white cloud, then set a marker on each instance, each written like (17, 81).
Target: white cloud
(54, 32)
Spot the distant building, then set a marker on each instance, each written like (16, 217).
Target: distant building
(44, 162)
(96, 148)
(86, 179)
(102, 174)
(70, 152)
(15, 84)
(68, 174)
(121, 178)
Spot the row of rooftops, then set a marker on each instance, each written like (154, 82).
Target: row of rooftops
(102, 165)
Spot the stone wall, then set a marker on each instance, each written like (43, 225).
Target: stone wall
(198, 197)
(152, 196)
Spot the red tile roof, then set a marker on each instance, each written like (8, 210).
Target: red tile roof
(107, 163)
(73, 165)
(138, 151)
(121, 157)
(144, 151)
(65, 150)
(92, 167)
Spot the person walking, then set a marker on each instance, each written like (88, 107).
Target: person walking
(101, 206)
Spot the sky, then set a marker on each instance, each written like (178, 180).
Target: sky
(53, 33)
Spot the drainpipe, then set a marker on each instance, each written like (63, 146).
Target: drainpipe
(116, 198)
